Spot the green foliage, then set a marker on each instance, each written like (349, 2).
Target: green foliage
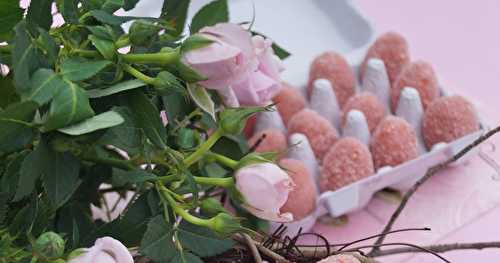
(209, 15)
(15, 126)
(10, 14)
(175, 12)
(75, 69)
(201, 97)
(157, 242)
(101, 121)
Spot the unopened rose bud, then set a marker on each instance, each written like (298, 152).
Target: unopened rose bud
(225, 224)
(232, 120)
(212, 206)
(49, 245)
(105, 250)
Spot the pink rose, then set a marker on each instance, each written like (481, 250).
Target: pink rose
(105, 250)
(228, 60)
(263, 83)
(265, 188)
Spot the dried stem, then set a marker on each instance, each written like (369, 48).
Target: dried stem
(253, 248)
(438, 248)
(430, 173)
(266, 251)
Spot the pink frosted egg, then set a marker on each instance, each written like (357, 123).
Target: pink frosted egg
(270, 140)
(344, 258)
(418, 75)
(393, 142)
(448, 119)
(369, 105)
(333, 67)
(318, 130)
(289, 101)
(302, 199)
(392, 49)
(346, 162)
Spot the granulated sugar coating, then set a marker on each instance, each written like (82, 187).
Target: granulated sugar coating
(393, 142)
(302, 199)
(418, 75)
(318, 130)
(289, 101)
(369, 104)
(340, 259)
(333, 67)
(346, 162)
(391, 48)
(272, 141)
(448, 119)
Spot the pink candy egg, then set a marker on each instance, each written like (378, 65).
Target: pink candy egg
(393, 142)
(340, 259)
(302, 199)
(392, 49)
(369, 104)
(448, 119)
(346, 162)
(289, 101)
(418, 75)
(318, 130)
(333, 67)
(269, 140)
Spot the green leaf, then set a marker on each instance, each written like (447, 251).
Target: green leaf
(4, 199)
(76, 69)
(10, 178)
(48, 46)
(60, 177)
(69, 10)
(187, 138)
(101, 121)
(188, 74)
(103, 32)
(117, 88)
(202, 241)
(131, 177)
(105, 47)
(167, 83)
(8, 93)
(10, 14)
(39, 14)
(175, 12)
(129, 4)
(44, 84)
(209, 15)
(111, 6)
(157, 242)
(177, 106)
(201, 97)
(15, 127)
(126, 136)
(25, 57)
(113, 20)
(186, 258)
(194, 42)
(70, 105)
(142, 32)
(147, 117)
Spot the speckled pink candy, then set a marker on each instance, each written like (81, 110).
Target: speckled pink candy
(318, 130)
(392, 49)
(369, 104)
(302, 199)
(348, 161)
(393, 142)
(340, 259)
(274, 141)
(289, 101)
(448, 119)
(333, 67)
(419, 75)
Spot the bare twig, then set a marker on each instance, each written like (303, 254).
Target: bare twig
(266, 251)
(441, 248)
(413, 246)
(430, 173)
(253, 248)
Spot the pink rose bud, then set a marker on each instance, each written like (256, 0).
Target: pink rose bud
(265, 188)
(228, 60)
(105, 250)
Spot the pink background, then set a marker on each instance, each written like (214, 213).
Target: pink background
(461, 40)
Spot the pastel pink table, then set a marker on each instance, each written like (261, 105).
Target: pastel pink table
(461, 40)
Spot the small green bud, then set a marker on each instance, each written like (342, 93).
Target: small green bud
(233, 120)
(142, 32)
(76, 253)
(212, 206)
(255, 158)
(225, 224)
(49, 245)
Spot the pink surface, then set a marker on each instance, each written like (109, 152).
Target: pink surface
(461, 204)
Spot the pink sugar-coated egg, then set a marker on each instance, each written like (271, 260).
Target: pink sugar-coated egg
(393, 142)
(318, 130)
(348, 161)
(250, 126)
(344, 258)
(419, 75)
(369, 104)
(289, 101)
(333, 67)
(301, 200)
(270, 140)
(447, 119)
(392, 49)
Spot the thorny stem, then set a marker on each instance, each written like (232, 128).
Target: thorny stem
(161, 58)
(222, 182)
(86, 53)
(204, 147)
(430, 173)
(139, 75)
(180, 211)
(224, 160)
